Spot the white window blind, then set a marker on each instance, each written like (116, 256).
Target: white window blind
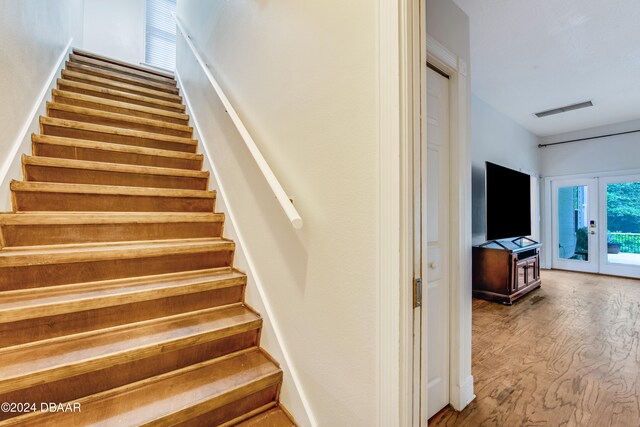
(160, 34)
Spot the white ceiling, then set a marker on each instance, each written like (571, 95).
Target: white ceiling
(534, 55)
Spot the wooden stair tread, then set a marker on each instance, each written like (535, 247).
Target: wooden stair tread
(84, 53)
(25, 365)
(275, 417)
(121, 94)
(40, 302)
(29, 196)
(54, 187)
(169, 87)
(169, 398)
(119, 104)
(33, 218)
(119, 86)
(72, 124)
(108, 146)
(84, 252)
(55, 228)
(116, 116)
(111, 167)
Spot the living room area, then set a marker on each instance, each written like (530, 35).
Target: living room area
(561, 107)
(554, 107)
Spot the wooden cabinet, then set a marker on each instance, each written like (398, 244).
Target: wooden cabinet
(504, 272)
(527, 272)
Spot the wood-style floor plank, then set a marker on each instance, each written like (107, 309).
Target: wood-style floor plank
(568, 354)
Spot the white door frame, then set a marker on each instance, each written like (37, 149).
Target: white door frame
(396, 116)
(403, 47)
(433, 259)
(460, 377)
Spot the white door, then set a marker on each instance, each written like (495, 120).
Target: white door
(575, 224)
(435, 266)
(619, 200)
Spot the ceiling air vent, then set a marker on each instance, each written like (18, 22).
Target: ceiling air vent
(565, 109)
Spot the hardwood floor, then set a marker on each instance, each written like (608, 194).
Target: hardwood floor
(568, 354)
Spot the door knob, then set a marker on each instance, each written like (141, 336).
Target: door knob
(433, 265)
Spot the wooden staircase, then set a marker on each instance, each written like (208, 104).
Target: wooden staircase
(117, 287)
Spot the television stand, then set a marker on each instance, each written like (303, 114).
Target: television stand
(505, 270)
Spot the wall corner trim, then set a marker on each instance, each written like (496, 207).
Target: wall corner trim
(389, 297)
(15, 148)
(462, 394)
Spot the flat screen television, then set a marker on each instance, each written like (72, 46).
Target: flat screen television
(508, 202)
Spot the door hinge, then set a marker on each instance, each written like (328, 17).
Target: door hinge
(417, 292)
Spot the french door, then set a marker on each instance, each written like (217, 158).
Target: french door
(596, 225)
(619, 197)
(574, 222)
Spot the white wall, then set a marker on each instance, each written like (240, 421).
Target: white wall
(448, 24)
(303, 76)
(498, 139)
(33, 35)
(616, 153)
(115, 28)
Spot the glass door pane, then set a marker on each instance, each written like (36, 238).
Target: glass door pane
(621, 253)
(623, 223)
(573, 223)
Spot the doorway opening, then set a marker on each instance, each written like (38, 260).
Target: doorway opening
(441, 238)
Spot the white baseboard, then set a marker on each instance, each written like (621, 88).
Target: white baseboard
(462, 395)
(12, 166)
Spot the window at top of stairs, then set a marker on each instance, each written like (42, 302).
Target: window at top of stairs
(160, 34)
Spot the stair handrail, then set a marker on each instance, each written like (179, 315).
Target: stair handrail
(276, 187)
